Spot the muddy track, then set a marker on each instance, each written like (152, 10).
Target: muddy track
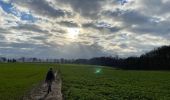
(40, 92)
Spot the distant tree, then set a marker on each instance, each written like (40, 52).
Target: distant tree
(157, 59)
(3, 59)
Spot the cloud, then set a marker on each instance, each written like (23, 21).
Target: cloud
(139, 23)
(41, 7)
(29, 27)
(160, 28)
(3, 31)
(85, 7)
(157, 7)
(130, 17)
(69, 24)
(103, 27)
(36, 50)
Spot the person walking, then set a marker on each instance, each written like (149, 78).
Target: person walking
(50, 77)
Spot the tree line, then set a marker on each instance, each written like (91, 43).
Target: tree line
(157, 59)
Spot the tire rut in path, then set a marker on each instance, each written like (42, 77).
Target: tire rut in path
(40, 92)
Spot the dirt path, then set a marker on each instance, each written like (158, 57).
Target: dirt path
(40, 92)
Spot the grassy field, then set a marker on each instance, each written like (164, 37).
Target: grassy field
(85, 82)
(98, 83)
(17, 79)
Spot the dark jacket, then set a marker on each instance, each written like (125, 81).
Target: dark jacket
(50, 76)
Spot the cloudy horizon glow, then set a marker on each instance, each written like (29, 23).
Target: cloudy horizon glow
(82, 28)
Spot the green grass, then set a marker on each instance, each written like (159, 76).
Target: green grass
(86, 82)
(98, 83)
(17, 79)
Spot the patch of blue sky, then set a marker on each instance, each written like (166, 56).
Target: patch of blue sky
(28, 17)
(6, 6)
(10, 9)
(122, 2)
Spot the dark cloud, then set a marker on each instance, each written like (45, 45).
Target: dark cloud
(101, 26)
(134, 17)
(42, 7)
(2, 31)
(68, 24)
(19, 45)
(128, 16)
(137, 22)
(159, 28)
(87, 8)
(43, 38)
(155, 7)
(29, 27)
(19, 49)
(62, 31)
(112, 13)
(2, 37)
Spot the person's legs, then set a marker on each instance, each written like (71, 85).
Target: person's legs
(49, 86)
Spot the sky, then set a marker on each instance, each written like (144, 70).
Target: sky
(82, 28)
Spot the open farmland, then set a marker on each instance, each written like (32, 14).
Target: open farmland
(99, 83)
(17, 79)
(86, 82)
